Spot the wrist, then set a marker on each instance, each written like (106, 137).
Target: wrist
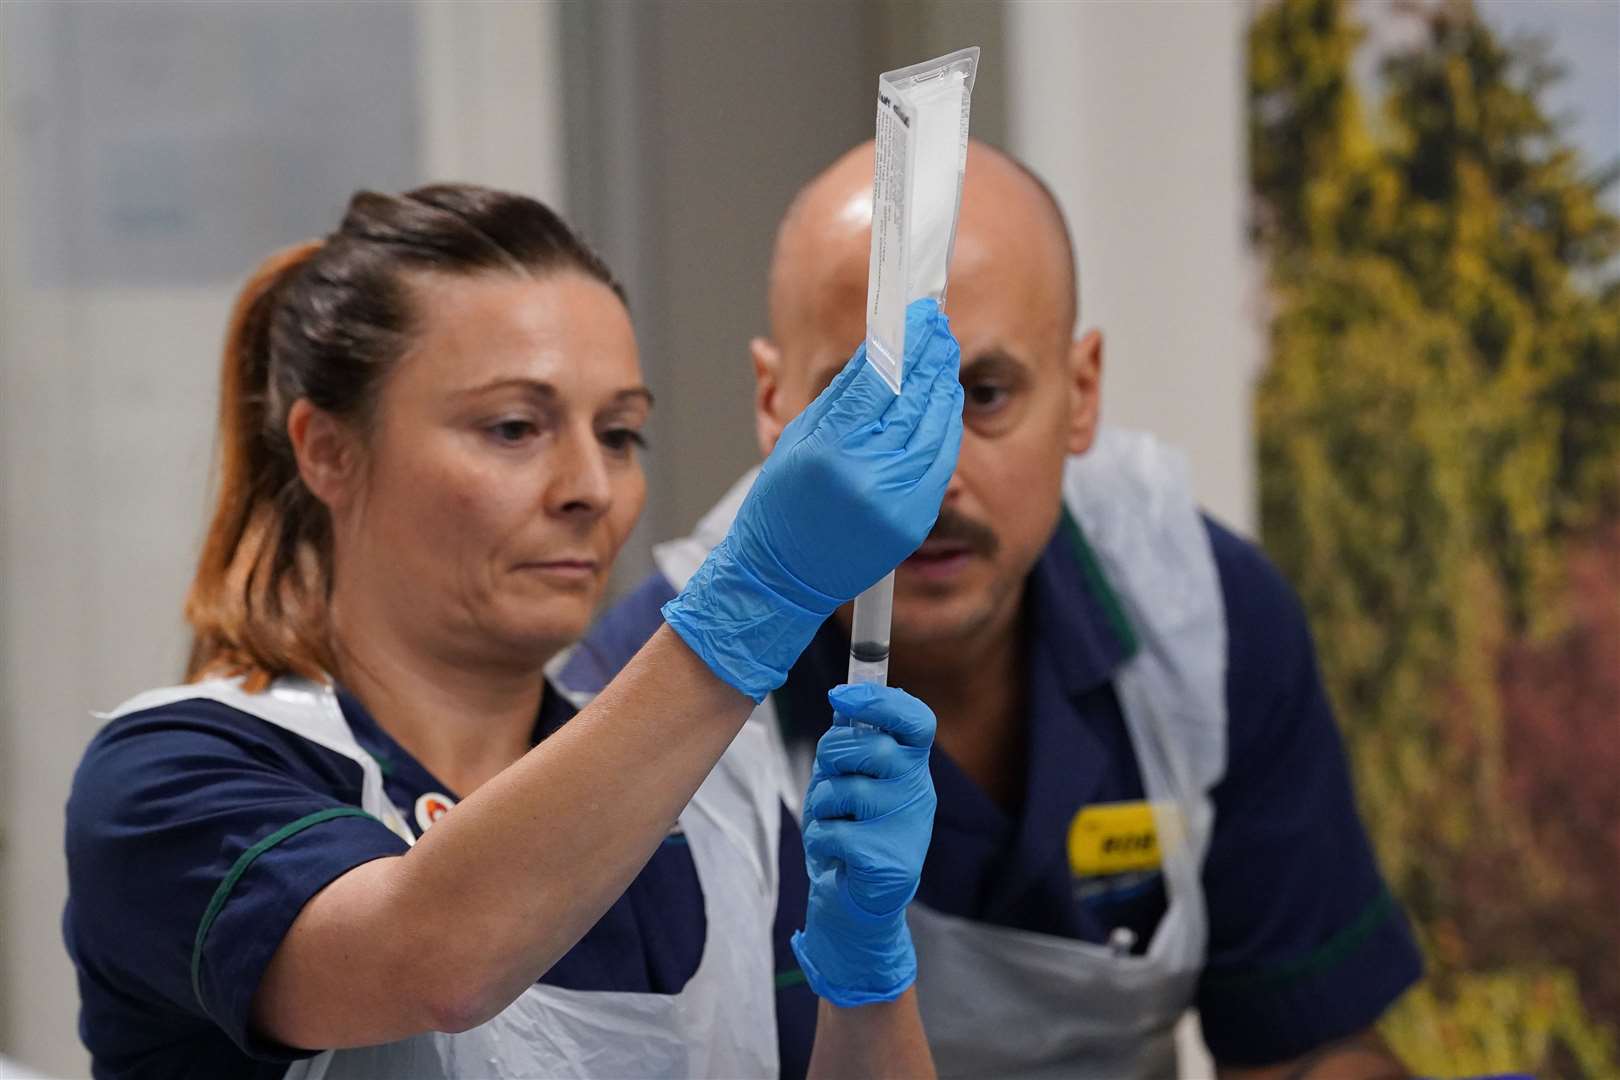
(853, 958)
(746, 631)
(835, 980)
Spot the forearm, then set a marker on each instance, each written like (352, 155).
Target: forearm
(882, 1040)
(500, 889)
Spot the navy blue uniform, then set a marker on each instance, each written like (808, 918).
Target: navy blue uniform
(1305, 943)
(196, 834)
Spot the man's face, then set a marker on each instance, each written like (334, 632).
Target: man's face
(1030, 391)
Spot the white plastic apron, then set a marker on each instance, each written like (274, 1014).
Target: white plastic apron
(722, 1023)
(1004, 1002)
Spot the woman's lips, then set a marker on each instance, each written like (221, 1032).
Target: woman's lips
(563, 569)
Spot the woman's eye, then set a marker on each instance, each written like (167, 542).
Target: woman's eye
(623, 440)
(511, 431)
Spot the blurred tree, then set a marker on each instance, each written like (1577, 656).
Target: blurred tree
(1440, 418)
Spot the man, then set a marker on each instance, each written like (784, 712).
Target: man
(1143, 801)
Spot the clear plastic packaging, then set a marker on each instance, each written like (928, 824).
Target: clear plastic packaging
(922, 135)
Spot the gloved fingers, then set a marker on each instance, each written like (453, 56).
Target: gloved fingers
(860, 403)
(888, 709)
(924, 322)
(814, 412)
(858, 798)
(927, 395)
(843, 750)
(944, 404)
(938, 475)
(869, 400)
(827, 843)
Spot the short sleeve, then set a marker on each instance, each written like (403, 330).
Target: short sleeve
(195, 836)
(1306, 943)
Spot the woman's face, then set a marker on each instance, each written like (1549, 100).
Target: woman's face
(502, 469)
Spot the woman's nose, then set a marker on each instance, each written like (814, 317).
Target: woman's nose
(580, 486)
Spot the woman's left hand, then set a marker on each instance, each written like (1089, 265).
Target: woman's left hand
(868, 816)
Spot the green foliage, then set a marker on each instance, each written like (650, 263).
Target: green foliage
(1493, 1024)
(1441, 415)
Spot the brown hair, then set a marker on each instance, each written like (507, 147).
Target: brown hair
(326, 320)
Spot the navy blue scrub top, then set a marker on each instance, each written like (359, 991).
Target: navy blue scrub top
(1306, 944)
(195, 835)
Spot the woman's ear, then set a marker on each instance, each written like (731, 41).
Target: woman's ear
(327, 453)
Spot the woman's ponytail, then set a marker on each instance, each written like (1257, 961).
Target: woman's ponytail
(230, 593)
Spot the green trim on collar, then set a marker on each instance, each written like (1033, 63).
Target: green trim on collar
(223, 893)
(1098, 584)
(1324, 956)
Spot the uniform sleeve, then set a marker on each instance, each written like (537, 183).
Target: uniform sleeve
(1306, 943)
(195, 835)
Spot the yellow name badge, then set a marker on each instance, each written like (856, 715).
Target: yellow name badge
(1113, 838)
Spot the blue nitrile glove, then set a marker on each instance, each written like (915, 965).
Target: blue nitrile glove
(867, 820)
(851, 489)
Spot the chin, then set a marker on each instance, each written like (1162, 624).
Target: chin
(547, 633)
(933, 620)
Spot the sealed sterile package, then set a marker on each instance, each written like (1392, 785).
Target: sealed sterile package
(922, 133)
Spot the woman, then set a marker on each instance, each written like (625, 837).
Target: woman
(430, 430)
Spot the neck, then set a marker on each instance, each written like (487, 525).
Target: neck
(463, 722)
(975, 685)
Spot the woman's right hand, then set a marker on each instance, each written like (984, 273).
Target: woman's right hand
(852, 488)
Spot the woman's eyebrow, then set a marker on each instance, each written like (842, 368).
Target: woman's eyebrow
(533, 386)
(543, 389)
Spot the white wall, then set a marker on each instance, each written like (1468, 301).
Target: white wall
(107, 397)
(1134, 113)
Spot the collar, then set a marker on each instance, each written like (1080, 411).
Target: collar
(397, 763)
(1075, 615)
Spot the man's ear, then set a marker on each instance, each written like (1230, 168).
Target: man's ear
(1085, 390)
(327, 453)
(768, 424)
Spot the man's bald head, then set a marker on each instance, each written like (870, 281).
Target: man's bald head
(1030, 388)
(820, 260)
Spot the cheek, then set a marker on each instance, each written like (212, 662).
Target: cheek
(1016, 483)
(434, 491)
(629, 498)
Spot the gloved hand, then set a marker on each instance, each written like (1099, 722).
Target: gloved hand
(852, 488)
(868, 818)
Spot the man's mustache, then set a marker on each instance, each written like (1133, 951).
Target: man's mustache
(954, 527)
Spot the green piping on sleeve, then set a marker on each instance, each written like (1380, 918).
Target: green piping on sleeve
(785, 979)
(1098, 584)
(1325, 956)
(223, 893)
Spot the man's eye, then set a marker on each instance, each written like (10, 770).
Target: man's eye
(511, 431)
(623, 440)
(986, 395)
